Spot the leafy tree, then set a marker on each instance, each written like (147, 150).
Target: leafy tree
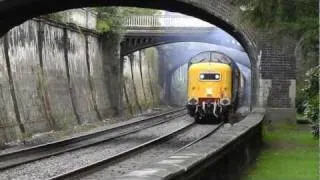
(108, 18)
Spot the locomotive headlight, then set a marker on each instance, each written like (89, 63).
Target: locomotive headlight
(217, 76)
(201, 76)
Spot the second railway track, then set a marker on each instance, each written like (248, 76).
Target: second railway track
(62, 163)
(55, 148)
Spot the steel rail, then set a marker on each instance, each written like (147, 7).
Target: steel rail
(201, 138)
(93, 167)
(27, 155)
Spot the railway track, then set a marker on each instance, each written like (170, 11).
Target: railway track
(28, 155)
(101, 165)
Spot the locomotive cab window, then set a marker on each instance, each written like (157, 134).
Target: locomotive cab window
(210, 76)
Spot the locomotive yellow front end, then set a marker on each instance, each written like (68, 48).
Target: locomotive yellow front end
(209, 90)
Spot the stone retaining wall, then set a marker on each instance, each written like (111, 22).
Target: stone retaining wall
(54, 76)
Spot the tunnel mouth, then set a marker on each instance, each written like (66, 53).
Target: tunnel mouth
(33, 8)
(241, 87)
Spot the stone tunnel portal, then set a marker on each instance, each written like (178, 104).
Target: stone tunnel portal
(216, 12)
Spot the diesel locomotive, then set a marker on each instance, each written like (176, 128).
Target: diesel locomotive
(213, 87)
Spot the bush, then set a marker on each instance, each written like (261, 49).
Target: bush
(300, 102)
(311, 93)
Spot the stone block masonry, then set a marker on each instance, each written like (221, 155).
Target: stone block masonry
(53, 77)
(9, 126)
(21, 44)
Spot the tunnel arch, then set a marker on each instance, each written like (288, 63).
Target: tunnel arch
(133, 42)
(158, 45)
(173, 61)
(221, 13)
(179, 89)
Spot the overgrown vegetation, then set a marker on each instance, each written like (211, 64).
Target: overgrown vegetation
(309, 99)
(299, 20)
(111, 18)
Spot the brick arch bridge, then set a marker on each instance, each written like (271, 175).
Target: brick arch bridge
(273, 72)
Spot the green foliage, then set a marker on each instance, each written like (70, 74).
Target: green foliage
(296, 18)
(108, 19)
(307, 100)
(111, 18)
(300, 101)
(311, 92)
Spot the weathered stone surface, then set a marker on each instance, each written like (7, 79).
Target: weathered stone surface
(79, 77)
(141, 80)
(179, 91)
(100, 90)
(137, 79)
(130, 102)
(26, 73)
(151, 55)
(145, 74)
(55, 80)
(9, 129)
(63, 77)
(112, 68)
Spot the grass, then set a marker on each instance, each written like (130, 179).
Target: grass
(290, 153)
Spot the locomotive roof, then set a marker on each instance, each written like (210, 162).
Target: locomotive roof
(208, 65)
(211, 56)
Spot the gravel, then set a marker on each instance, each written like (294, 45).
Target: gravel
(55, 165)
(153, 154)
(46, 137)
